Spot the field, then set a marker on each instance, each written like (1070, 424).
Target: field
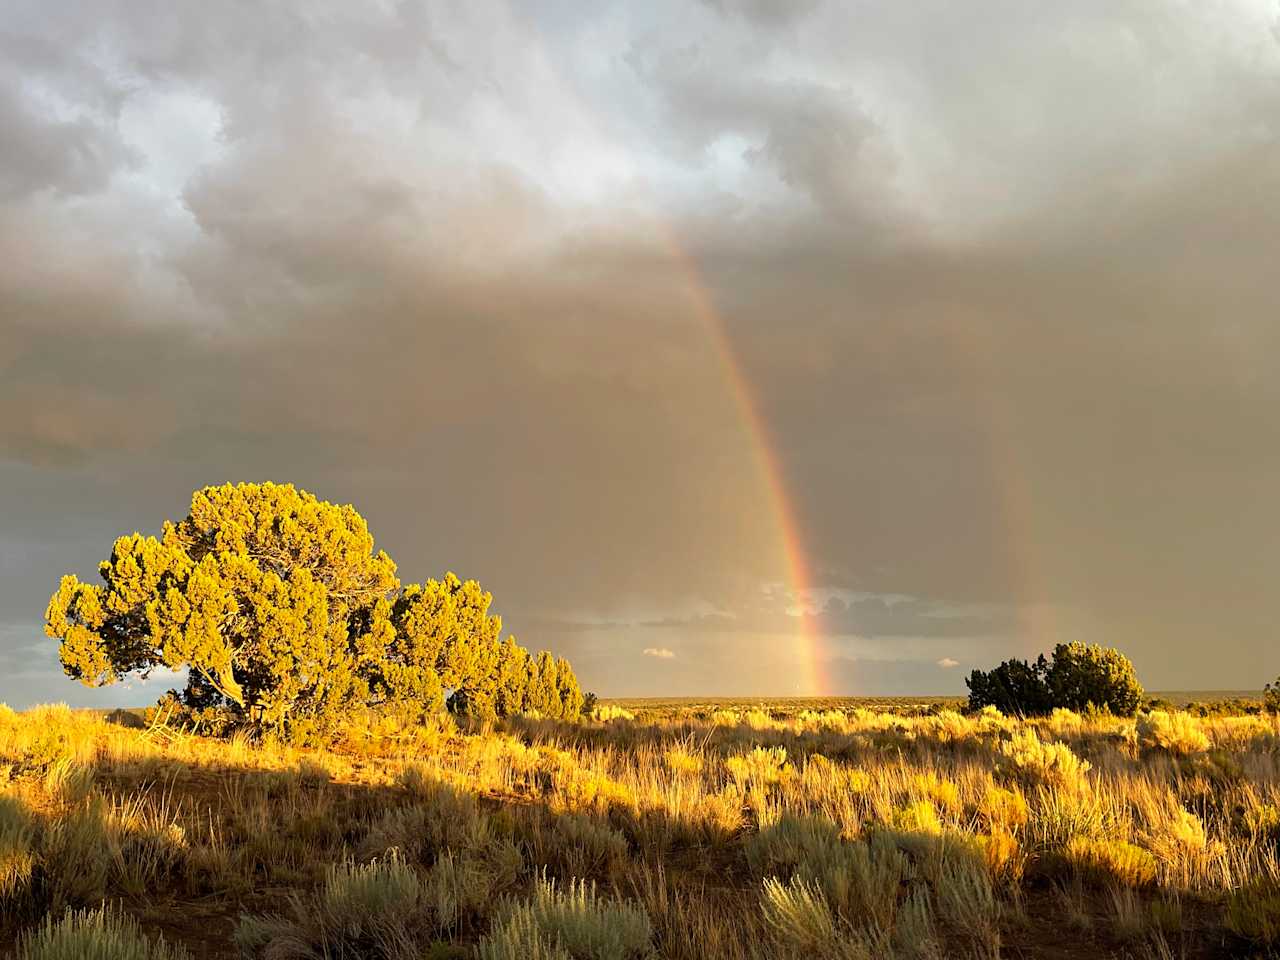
(685, 829)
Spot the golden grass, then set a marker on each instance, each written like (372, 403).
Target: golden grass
(734, 833)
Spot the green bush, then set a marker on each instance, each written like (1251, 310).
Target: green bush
(1253, 912)
(1084, 675)
(1016, 687)
(94, 935)
(1271, 696)
(798, 914)
(569, 924)
(1079, 677)
(375, 910)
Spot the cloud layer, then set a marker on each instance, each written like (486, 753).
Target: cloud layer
(1001, 285)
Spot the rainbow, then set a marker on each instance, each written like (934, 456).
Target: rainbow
(808, 638)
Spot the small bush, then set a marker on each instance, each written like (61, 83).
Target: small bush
(759, 768)
(860, 880)
(1004, 808)
(918, 817)
(967, 902)
(575, 922)
(1177, 733)
(374, 910)
(792, 843)
(1025, 757)
(680, 760)
(1003, 855)
(944, 794)
(94, 935)
(588, 846)
(77, 857)
(518, 937)
(605, 712)
(1109, 861)
(799, 915)
(126, 718)
(1253, 912)
(17, 850)
(442, 818)
(313, 773)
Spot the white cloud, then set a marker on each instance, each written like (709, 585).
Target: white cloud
(662, 653)
(946, 663)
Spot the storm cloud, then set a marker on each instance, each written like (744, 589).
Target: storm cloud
(999, 279)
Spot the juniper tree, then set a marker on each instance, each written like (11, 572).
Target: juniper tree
(280, 610)
(513, 678)
(546, 694)
(1078, 677)
(570, 692)
(273, 600)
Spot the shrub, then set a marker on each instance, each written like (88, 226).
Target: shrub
(860, 880)
(799, 915)
(1004, 808)
(759, 768)
(680, 760)
(605, 712)
(1026, 758)
(1253, 912)
(518, 937)
(1271, 696)
(575, 922)
(1109, 861)
(373, 910)
(17, 851)
(67, 781)
(1002, 854)
(918, 817)
(944, 793)
(966, 901)
(1063, 814)
(77, 856)
(442, 818)
(456, 888)
(126, 718)
(1079, 677)
(587, 846)
(1178, 733)
(312, 772)
(94, 935)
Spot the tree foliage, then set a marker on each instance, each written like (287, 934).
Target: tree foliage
(1271, 696)
(1088, 675)
(279, 608)
(1078, 677)
(1016, 687)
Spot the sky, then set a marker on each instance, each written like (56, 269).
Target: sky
(738, 347)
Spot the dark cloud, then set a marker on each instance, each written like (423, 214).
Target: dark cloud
(1000, 286)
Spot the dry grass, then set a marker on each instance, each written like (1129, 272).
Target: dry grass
(736, 832)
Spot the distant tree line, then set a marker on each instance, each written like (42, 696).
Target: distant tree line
(1080, 676)
(282, 613)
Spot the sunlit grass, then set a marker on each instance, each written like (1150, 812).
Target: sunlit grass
(735, 832)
